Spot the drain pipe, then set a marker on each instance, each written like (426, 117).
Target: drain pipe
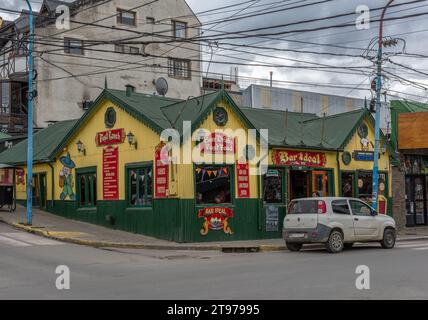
(53, 184)
(339, 173)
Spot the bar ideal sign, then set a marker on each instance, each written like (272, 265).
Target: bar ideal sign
(299, 158)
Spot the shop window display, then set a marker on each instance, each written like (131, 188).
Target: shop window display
(213, 184)
(273, 186)
(140, 186)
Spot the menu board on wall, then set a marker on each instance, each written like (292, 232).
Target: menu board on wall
(110, 176)
(243, 177)
(161, 174)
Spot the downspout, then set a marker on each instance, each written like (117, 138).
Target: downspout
(339, 173)
(53, 184)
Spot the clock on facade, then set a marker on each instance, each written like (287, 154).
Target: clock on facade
(220, 116)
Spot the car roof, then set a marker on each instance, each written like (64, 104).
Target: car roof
(326, 198)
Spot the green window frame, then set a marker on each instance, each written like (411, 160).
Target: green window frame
(86, 187)
(229, 193)
(139, 194)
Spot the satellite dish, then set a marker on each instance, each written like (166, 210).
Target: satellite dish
(161, 86)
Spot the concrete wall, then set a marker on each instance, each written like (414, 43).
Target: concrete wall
(61, 94)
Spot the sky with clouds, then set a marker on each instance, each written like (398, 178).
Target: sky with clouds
(400, 81)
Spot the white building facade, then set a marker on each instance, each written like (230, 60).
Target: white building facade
(116, 42)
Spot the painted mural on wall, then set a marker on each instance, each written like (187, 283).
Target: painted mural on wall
(216, 219)
(66, 178)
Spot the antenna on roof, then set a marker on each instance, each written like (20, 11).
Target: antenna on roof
(105, 83)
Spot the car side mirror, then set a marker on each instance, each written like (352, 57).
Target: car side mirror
(374, 213)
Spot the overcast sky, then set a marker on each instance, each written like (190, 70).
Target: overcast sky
(413, 30)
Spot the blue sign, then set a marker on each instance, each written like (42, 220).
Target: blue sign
(363, 156)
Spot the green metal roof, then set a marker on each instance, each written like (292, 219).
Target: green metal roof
(44, 143)
(306, 130)
(4, 136)
(159, 113)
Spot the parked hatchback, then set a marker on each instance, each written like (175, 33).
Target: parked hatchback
(336, 222)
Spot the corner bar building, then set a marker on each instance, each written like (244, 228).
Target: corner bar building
(105, 168)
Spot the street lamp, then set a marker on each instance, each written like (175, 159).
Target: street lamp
(378, 106)
(131, 139)
(30, 119)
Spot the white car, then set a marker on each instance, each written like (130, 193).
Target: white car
(336, 222)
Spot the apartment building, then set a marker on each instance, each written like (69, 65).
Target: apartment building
(116, 43)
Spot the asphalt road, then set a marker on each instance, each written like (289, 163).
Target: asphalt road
(28, 263)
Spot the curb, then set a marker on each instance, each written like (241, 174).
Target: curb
(104, 244)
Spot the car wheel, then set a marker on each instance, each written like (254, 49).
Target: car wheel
(294, 246)
(348, 245)
(335, 242)
(388, 241)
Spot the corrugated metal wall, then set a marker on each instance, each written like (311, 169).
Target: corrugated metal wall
(256, 96)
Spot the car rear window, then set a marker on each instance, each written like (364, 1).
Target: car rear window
(303, 207)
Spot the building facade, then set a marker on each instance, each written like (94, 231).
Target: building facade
(123, 42)
(223, 179)
(410, 171)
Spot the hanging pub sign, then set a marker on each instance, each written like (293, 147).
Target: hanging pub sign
(217, 143)
(243, 177)
(216, 218)
(110, 137)
(299, 158)
(161, 172)
(110, 173)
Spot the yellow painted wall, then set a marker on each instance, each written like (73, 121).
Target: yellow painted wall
(186, 173)
(355, 144)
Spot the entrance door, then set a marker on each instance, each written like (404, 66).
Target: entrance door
(299, 184)
(416, 199)
(320, 183)
(39, 190)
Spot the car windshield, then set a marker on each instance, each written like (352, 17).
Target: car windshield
(303, 207)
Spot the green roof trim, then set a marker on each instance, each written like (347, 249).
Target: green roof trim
(302, 131)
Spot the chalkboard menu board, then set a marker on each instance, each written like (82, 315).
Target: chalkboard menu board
(272, 218)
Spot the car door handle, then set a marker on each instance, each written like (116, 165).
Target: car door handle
(356, 219)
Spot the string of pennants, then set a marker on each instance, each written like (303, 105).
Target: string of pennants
(216, 173)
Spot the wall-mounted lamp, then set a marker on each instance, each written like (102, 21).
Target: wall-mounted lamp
(131, 139)
(81, 147)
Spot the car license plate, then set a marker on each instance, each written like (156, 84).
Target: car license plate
(297, 235)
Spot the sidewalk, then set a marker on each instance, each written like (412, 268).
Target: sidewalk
(62, 229)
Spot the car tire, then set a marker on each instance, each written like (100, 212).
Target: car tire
(388, 240)
(292, 246)
(335, 242)
(348, 245)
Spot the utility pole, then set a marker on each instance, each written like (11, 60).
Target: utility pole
(378, 106)
(30, 120)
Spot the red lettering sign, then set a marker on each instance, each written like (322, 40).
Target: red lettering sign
(299, 158)
(161, 173)
(111, 137)
(215, 218)
(243, 176)
(110, 173)
(218, 143)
